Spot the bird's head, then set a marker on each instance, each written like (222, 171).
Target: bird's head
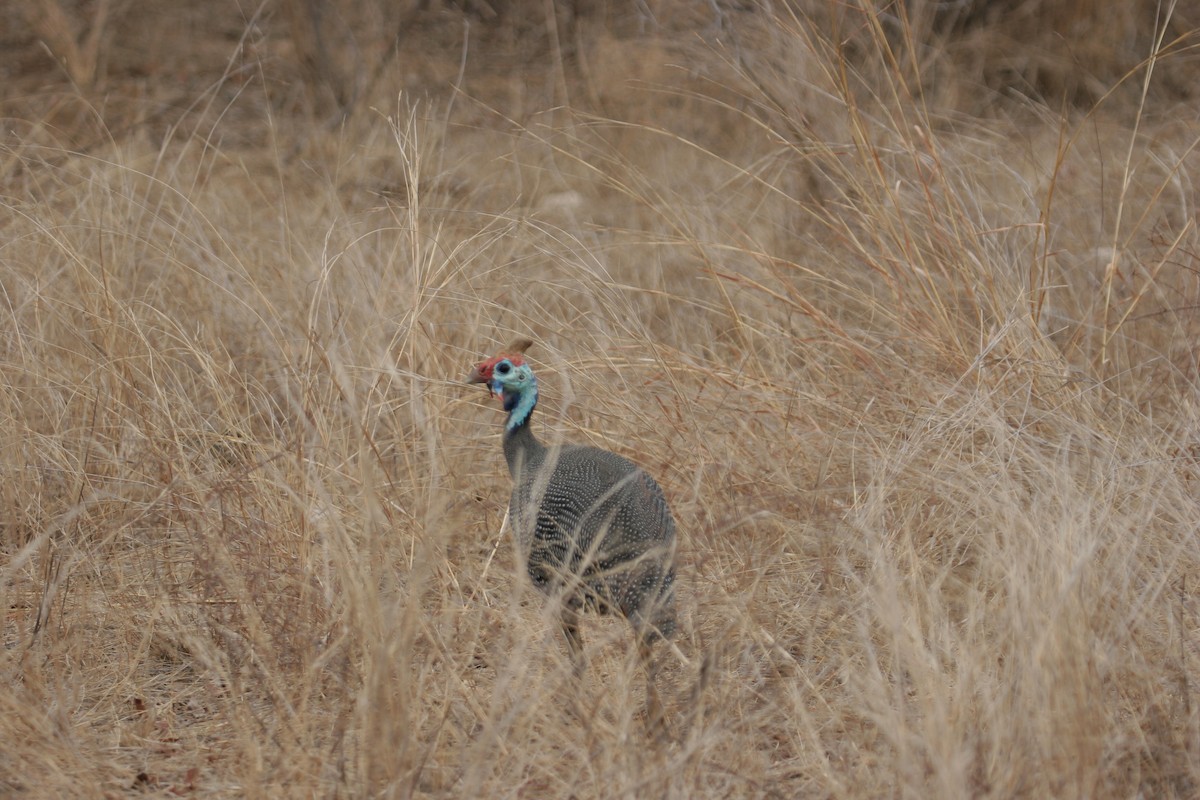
(503, 375)
(506, 374)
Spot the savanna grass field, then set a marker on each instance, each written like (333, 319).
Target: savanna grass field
(899, 302)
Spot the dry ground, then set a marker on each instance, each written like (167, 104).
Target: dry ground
(901, 304)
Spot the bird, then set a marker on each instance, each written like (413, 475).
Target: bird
(590, 525)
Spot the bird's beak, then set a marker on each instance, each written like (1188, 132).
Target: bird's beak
(477, 376)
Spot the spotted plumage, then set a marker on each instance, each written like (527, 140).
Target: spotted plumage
(588, 523)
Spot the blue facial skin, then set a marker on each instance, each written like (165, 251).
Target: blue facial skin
(518, 387)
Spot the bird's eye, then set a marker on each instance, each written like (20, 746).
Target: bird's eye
(503, 367)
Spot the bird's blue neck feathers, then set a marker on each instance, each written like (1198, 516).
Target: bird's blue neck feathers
(519, 406)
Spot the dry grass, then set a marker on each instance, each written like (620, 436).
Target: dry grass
(913, 353)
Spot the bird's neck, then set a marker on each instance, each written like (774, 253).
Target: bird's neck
(521, 447)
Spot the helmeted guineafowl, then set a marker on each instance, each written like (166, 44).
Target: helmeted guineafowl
(588, 523)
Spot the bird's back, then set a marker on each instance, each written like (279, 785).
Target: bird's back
(595, 519)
